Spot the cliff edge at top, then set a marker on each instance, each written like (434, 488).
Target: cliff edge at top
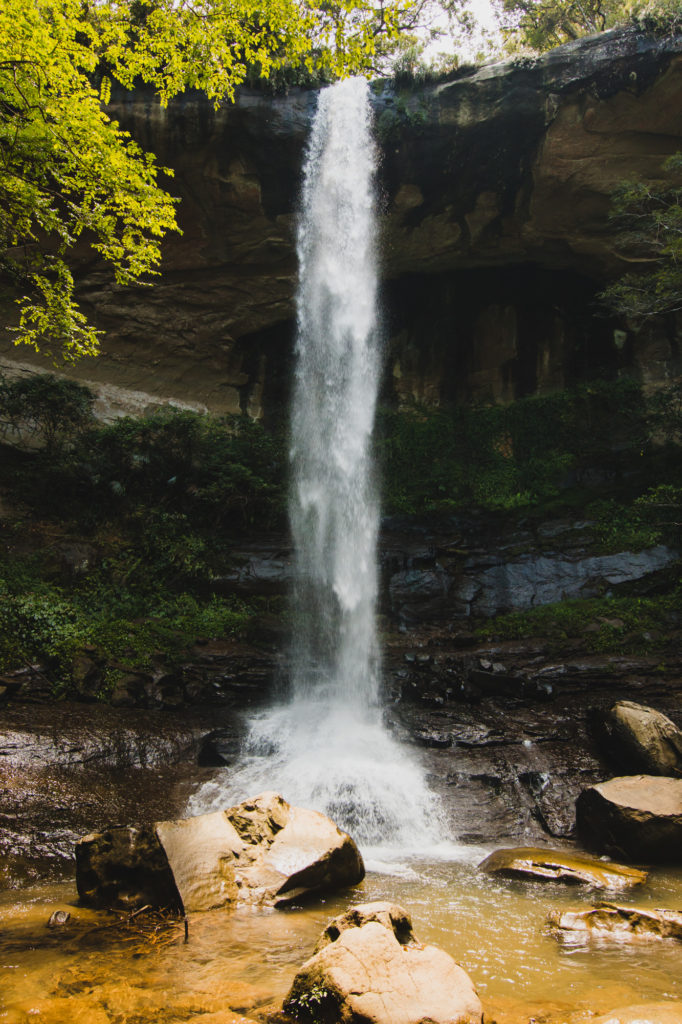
(503, 175)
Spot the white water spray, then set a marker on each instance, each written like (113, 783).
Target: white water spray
(327, 749)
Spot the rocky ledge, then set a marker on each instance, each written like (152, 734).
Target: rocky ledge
(509, 734)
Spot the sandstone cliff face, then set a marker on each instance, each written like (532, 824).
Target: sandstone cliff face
(495, 193)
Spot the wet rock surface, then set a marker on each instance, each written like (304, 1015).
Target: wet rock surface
(469, 567)
(510, 732)
(510, 759)
(561, 866)
(222, 672)
(262, 851)
(473, 567)
(642, 739)
(609, 920)
(66, 769)
(637, 817)
(125, 868)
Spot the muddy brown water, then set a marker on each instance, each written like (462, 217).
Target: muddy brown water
(239, 964)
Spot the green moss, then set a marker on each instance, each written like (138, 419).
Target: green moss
(42, 621)
(160, 500)
(507, 456)
(613, 625)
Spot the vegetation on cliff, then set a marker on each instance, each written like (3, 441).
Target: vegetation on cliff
(117, 534)
(117, 541)
(652, 218)
(540, 25)
(528, 453)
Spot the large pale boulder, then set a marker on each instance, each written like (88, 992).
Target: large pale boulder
(644, 739)
(638, 817)
(560, 866)
(390, 915)
(363, 974)
(611, 920)
(261, 851)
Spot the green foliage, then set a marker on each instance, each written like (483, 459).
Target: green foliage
(316, 1005)
(163, 498)
(624, 527)
(167, 475)
(69, 175)
(41, 408)
(605, 625)
(504, 456)
(540, 25)
(657, 16)
(650, 217)
(43, 621)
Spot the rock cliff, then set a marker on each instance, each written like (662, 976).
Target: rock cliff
(495, 191)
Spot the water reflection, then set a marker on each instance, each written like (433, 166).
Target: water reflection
(240, 964)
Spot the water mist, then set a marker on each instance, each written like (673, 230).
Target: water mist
(327, 748)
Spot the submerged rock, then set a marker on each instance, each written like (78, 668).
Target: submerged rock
(609, 920)
(364, 970)
(645, 1013)
(644, 739)
(58, 919)
(637, 817)
(561, 866)
(261, 851)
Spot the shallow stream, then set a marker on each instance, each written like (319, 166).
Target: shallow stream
(96, 970)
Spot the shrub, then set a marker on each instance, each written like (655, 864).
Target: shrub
(505, 456)
(42, 409)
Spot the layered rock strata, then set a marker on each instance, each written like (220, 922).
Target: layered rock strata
(496, 185)
(609, 920)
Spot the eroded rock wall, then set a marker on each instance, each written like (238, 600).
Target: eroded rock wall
(495, 190)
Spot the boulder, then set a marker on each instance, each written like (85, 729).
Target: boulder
(644, 739)
(638, 817)
(362, 971)
(261, 851)
(609, 920)
(124, 868)
(645, 1013)
(390, 915)
(561, 866)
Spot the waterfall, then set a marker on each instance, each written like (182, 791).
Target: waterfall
(327, 747)
(333, 508)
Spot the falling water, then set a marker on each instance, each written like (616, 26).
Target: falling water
(327, 748)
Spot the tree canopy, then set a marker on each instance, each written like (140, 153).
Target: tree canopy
(540, 25)
(70, 176)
